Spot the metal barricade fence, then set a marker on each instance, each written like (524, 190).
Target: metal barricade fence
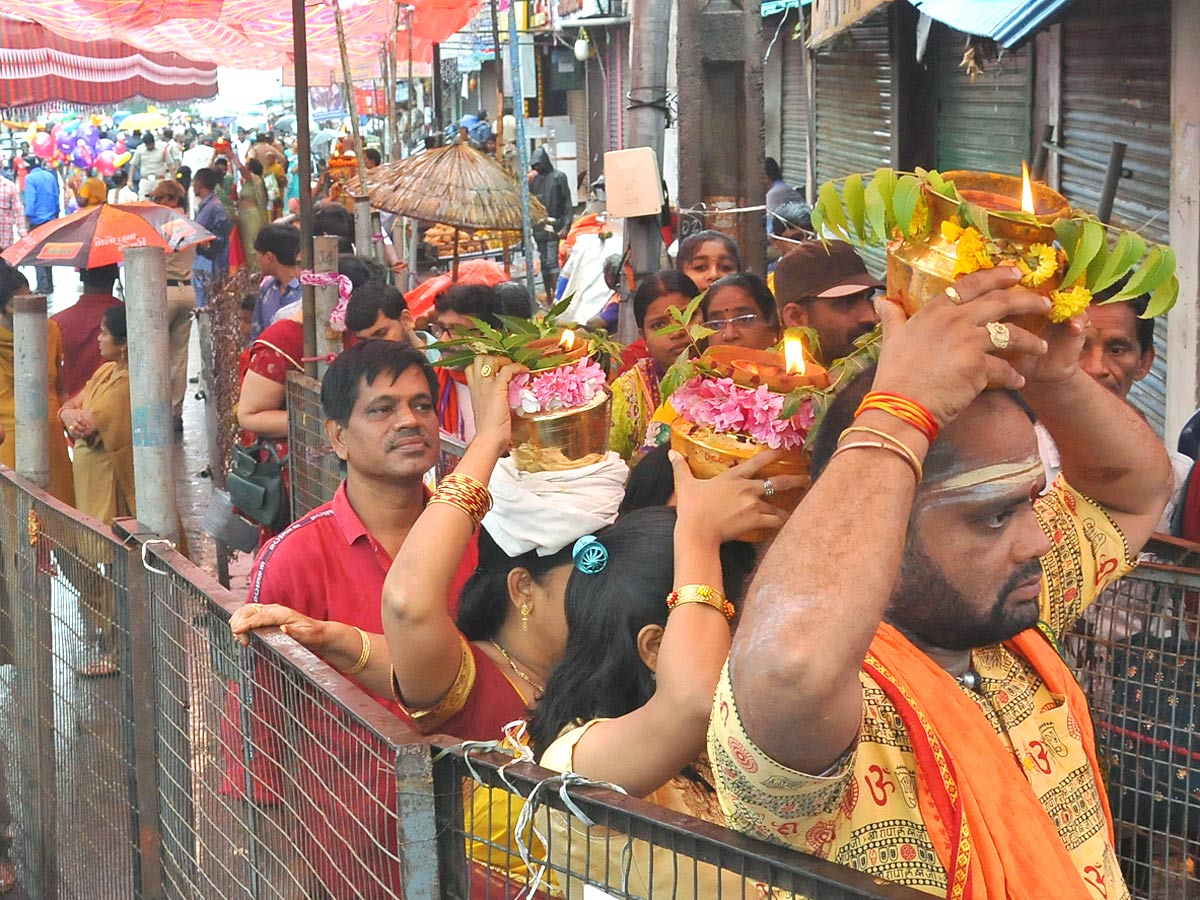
(204, 769)
(278, 778)
(68, 765)
(1136, 653)
(315, 469)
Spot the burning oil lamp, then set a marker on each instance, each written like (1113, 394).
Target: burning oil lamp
(1020, 213)
(780, 372)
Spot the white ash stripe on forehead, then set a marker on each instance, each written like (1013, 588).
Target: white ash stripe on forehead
(1013, 473)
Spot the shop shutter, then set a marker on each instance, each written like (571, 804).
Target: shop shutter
(794, 118)
(982, 123)
(854, 107)
(1116, 87)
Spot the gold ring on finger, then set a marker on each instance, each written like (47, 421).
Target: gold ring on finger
(999, 334)
(486, 370)
(955, 297)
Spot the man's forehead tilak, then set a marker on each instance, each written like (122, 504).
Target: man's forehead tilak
(1003, 479)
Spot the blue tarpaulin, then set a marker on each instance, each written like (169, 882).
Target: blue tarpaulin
(1007, 22)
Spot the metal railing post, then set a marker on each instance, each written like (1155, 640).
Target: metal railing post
(34, 660)
(32, 389)
(141, 718)
(150, 389)
(416, 822)
(325, 259)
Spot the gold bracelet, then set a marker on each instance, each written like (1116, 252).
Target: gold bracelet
(890, 438)
(701, 593)
(362, 657)
(912, 461)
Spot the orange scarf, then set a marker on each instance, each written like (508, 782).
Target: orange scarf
(990, 831)
(449, 411)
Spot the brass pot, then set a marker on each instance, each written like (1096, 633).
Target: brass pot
(564, 438)
(709, 453)
(917, 272)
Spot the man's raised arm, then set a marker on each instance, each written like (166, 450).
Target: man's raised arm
(823, 587)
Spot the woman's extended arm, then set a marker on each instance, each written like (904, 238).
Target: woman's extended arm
(422, 636)
(644, 749)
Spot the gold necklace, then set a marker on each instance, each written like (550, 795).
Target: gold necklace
(541, 689)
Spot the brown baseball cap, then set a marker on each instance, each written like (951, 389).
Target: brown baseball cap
(813, 269)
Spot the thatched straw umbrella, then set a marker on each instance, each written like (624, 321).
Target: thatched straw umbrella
(454, 185)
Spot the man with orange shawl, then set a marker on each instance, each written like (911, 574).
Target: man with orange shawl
(893, 699)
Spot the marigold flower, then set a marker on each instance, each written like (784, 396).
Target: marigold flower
(971, 253)
(951, 230)
(919, 226)
(1038, 265)
(1068, 304)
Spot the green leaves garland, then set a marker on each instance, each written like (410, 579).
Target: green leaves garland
(890, 205)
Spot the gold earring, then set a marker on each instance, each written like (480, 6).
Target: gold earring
(524, 616)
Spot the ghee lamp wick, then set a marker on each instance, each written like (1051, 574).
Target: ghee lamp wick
(1027, 204)
(568, 339)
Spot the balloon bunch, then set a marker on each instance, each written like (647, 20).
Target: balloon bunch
(80, 144)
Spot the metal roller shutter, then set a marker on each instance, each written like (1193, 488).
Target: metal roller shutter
(982, 123)
(1116, 87)
(794, 118)
(855, 131)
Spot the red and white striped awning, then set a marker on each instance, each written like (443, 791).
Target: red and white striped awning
(38, 66)
(252, 34)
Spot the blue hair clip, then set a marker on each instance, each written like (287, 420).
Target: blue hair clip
(590, 555)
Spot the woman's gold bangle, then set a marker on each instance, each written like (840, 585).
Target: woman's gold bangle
(701, 593)
(363, 656)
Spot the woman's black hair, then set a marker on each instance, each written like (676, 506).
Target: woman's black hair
(11, 281)
(114, 321)
(659, 285)
(484, 602)
(601, 674)
(651, 483)
(690, 246)
(360, 270)
(752, 285)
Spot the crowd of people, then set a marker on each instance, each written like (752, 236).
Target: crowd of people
(849, 673)
(858, 686)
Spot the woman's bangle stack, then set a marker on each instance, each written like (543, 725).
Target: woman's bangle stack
(701, 593)
(464, 493)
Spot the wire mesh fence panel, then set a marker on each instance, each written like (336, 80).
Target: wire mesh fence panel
(66, 702)
(1135, 653)
(315, 469)
(277, 777)
(507, 830)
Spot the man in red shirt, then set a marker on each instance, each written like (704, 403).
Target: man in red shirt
(381, 418)
(80, 326)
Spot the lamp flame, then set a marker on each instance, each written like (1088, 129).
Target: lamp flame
(568, 339)
(1026, 190)
(793, 356)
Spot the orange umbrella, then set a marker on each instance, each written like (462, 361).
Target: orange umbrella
(98, 236)
(473, 271)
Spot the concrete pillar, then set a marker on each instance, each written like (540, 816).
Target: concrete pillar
(364, 243)
(1184, 320)
(325, 259)
(721, 142)
(32, 389)
(150, 389)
